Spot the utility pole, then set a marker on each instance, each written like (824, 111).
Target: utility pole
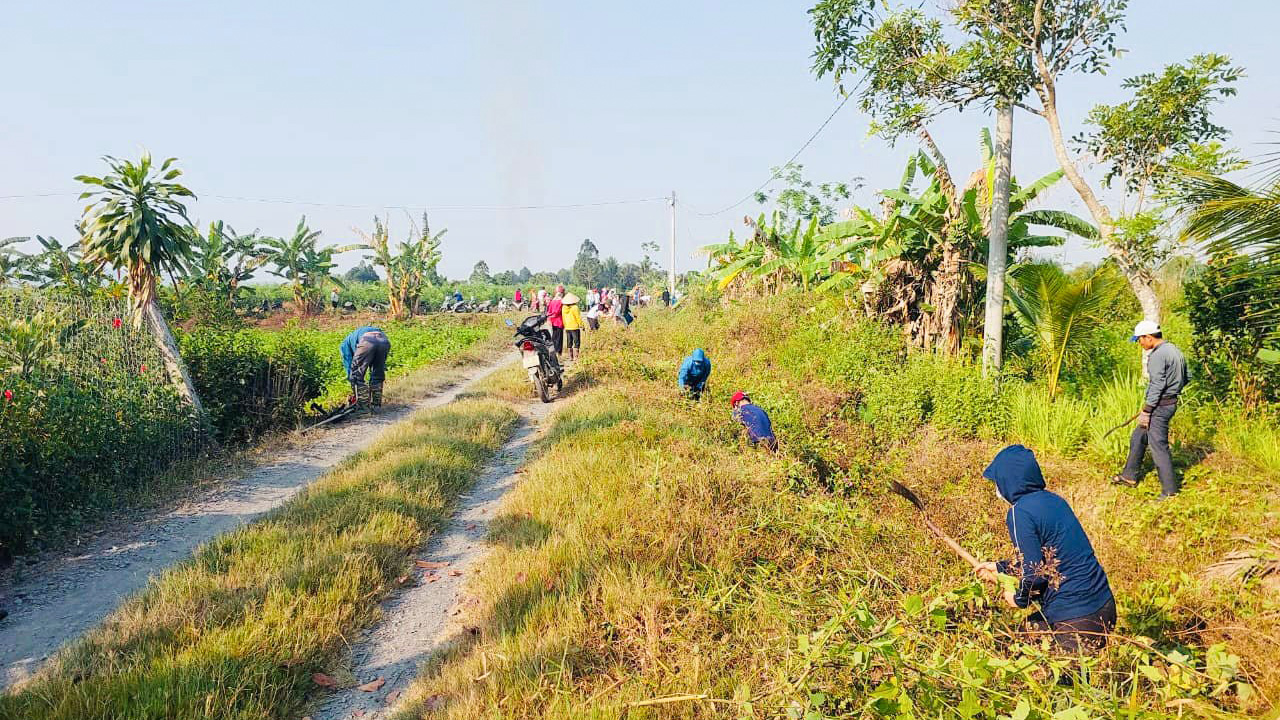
(671, 269)
(998, 244)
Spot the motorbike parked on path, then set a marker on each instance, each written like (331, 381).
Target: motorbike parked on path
(538, 355)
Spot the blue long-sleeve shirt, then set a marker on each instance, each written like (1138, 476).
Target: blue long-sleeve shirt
(349, 344)
(755, 420)
(1056, 563)
(694, 371)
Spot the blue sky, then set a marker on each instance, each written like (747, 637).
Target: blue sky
(449, 104)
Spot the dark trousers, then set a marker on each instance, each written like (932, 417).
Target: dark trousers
(557, 338)
(370, 358)
(1085, 634)
(1157, 437)
(574, 338)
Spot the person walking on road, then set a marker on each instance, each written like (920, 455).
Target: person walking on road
(365, 351)
(572, 316)
(1166, 371)
(755, 420)
(556, 318)
(1056, 567)
(694, 373)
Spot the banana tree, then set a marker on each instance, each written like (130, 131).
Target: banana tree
(12, 261)
(409, 265)
(307, 268)
(223, 259)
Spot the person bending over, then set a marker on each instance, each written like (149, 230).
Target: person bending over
(755, 420)
(1056, 565)
(694, 372)
(365, 351)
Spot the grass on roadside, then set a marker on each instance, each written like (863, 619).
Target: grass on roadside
(238, 630)
(650, 565)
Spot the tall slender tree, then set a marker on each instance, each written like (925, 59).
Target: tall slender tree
(138, 223)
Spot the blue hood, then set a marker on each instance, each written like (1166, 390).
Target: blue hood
(1015, 473)
(698, 356)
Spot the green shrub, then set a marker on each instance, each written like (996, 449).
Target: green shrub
(247, 386)
(965, 402)
(1036, 422)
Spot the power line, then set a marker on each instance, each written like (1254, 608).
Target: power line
(790, 160)
(383, 207)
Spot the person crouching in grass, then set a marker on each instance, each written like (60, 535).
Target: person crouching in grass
(755, 420)
(1056, 565)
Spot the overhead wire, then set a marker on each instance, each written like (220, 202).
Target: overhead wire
(774, 176)
(385, 207)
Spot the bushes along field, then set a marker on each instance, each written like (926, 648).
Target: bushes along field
(652, 565)
(238, 630)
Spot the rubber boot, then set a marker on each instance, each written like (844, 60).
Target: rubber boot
(363, 401)
(375, 396)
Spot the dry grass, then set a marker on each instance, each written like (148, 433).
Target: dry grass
(652, 566)
(238, 630)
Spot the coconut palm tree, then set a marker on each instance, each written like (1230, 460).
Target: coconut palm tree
(1060, 313)
(138, 223)
(1229, 219)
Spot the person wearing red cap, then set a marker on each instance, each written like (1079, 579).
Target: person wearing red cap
(755, 420)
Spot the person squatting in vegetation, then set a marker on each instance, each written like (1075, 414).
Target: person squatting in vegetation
(624, 309)
(1166, 371)
(556, 318)
(1056, 564)
(694, 373)
(755, 420)
(572, 319)
(364, 351)
(593, 316)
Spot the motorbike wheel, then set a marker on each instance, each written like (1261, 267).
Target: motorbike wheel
(559, 383)
(541, 387)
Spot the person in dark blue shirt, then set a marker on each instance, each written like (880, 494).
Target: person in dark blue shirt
(694, 372)
(1055, 564)
(365, 351)
(755, 420)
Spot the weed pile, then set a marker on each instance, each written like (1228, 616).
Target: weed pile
(652, 564)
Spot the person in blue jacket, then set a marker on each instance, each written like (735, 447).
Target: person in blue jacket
(694, 372)
(1056, 565)
(755, 420)
(365, 351)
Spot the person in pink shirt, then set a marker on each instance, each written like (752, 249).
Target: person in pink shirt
(555, 315)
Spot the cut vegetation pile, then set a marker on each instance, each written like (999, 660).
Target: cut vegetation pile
(241, 630)
(654, 565)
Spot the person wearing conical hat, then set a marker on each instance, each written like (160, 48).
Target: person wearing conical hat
(571, 316)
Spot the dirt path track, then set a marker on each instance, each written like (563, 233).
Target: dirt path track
(423, 619)
(73, 593)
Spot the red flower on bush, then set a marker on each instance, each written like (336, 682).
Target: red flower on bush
(144, 367)
(115, 323)
(8, 395)
(104, 360)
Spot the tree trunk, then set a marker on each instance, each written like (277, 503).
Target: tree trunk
(176, 369)
(1139, 277)
(998, 246)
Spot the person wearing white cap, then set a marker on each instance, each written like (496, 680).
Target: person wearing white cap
(1167, 376)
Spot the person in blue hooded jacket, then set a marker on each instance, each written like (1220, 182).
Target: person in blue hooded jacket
(1056, 565)
(694, 372)
(365, 351)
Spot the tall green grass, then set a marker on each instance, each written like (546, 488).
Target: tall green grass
(238, 630)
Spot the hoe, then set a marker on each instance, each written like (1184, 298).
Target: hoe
(906, 492)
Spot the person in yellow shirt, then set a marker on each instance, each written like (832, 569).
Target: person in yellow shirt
(572, 316)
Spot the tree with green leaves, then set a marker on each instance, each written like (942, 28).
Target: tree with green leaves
(586, 267)
(12, 261)
(1139, 139)
(802, 200)
(363, 272)
(410, 266)
(480, 274)
(1062, 315)
(137, 223)
(306, 267)
(223, 260)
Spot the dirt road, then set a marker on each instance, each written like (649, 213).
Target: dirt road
(73, 593)
(421, 620)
